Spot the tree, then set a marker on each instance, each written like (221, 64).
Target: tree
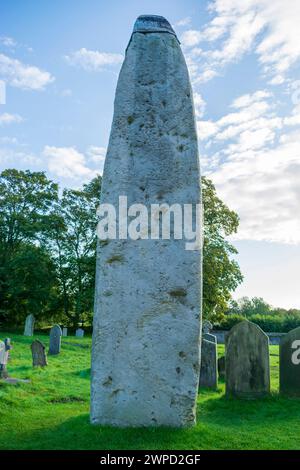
(221, 274)
(26, 200)
(72, 234)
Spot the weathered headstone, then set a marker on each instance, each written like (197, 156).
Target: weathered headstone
(79, 333)
(289, 363)
(206, 328)
(145, 354)
(38, 350)
(55, 340)
(5, 347)
(29, 325)
(247, 361)
(65, 331)
(208, 369)
(221, 367)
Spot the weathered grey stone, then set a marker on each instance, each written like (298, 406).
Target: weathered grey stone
(29, 325)
(221, 367)
(38, 350)
(79, 333)
(209, 337)
(145, 358)
(247, 361)
(289, 363)
(208, 370)
(65, 331)
(5, 347)
(55, 340)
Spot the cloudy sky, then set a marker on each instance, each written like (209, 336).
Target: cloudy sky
(60, 62)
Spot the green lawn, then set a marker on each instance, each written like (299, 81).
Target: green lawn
(52, 411)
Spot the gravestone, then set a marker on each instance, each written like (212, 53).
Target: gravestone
(29, 325)
(55, 340)
(79, 333)
(247, 361)
(208, 369)
(289, 363)
(206, 328)
(221, 367)
(65, 331)
(38, 350)
(5, 347)
(147, 320)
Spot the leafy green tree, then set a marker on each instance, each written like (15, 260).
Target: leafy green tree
(221, 273)
(73, 244)
(26, 200)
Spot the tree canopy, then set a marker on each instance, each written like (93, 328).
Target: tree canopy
(48, 245)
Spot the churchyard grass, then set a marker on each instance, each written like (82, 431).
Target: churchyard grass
(52, 411)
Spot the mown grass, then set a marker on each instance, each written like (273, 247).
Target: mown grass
(52, 411)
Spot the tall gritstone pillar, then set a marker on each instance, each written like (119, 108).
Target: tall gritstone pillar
(146, 332)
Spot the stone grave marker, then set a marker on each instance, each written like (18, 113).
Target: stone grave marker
(208, 369)
(5, 347)
(29, 325)
(289, 363)
(247, 361)
(221, 367)
(65, 331)
(79, 333)
(39, 356)
(55, 340)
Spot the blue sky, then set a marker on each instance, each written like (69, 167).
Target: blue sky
(60, 62)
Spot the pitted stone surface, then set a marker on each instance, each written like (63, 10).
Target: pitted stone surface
(145, 358)
(289, 364)
(247, 361)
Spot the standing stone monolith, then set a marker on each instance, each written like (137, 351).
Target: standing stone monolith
(5, 347)
(208, 370)
(247, 361)
(55, 340)
(146, 332)
(289, 363)
(29, 325)
(79, 333)
(39, 356)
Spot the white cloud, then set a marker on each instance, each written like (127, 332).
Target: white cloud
(268, 28)
(67, 162)
(7, 118)
(23, 76)
(93, 60)
(8, 41)
(184, 21)
(254, 160)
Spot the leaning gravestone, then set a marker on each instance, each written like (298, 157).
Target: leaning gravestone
(5, 347)
(208, 369)
(65, 331)
(29, 325)
(79, 333)
(145, 354)
(55, 340)
(38, 350)
(289, 363)
(247, 361)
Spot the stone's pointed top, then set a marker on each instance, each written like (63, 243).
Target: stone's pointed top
(152, 24)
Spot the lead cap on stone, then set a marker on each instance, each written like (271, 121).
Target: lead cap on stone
(152, 24)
